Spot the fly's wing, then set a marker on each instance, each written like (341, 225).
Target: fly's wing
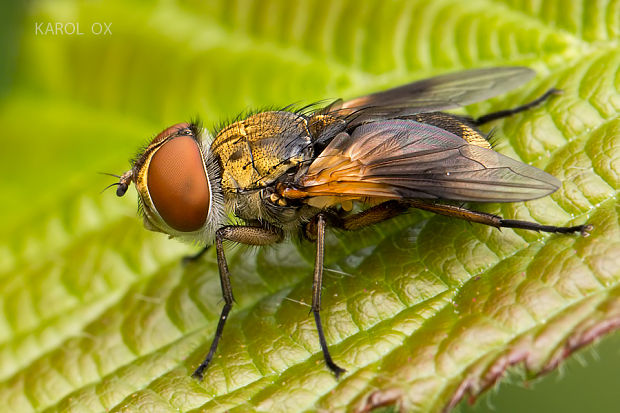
(435, 94)
(407, 159)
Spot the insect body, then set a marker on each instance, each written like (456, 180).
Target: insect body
(296, 172)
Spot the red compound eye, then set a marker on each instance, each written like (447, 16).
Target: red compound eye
(178, 184)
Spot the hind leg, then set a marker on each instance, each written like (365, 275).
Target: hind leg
(508, 112)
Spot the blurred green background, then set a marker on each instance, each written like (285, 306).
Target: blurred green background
(75, 105)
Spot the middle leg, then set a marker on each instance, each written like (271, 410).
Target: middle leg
(317, 283)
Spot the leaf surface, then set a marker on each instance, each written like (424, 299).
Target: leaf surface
(99, 314)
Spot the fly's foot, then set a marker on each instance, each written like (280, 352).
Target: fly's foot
(336, 369)
(198, 374)
(584, 230)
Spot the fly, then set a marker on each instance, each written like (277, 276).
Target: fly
(294, 173)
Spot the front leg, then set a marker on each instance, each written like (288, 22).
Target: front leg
(244, 235)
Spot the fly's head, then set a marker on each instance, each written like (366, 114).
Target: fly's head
(178, 184)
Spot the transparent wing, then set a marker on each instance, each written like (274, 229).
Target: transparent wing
(407, 159)
(435, 94)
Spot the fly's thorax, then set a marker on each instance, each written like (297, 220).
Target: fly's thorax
(324, 127)
(261, 206)
(177, 180)
(256, 151)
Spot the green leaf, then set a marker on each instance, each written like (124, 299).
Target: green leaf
(100, 314)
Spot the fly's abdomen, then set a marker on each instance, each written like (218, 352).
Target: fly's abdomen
(256, 151)
(460, 126)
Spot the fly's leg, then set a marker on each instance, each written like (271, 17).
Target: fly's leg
(391, 209)
(370, 216)
(244, 235)
(494, 220)
(373, 215)
(316, 294)
(195, 257)
(315, 230)
(228, 301)
(508, 112)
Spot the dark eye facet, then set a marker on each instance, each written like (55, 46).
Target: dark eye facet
(172, 130)
(178, 185)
